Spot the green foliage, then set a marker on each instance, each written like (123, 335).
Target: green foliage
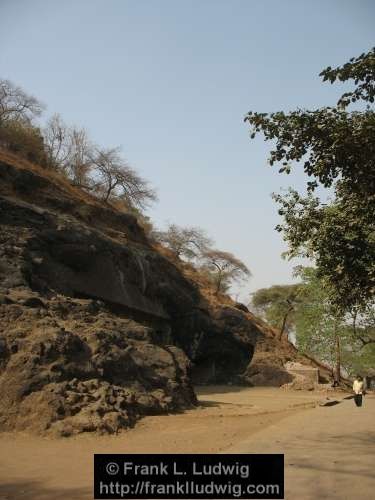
(278, 304)
(362, 71)
(340, 238)
(359, 361)
(320, 328)
(336, 148)
(318, 325)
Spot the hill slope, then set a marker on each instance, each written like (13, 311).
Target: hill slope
(97, 327)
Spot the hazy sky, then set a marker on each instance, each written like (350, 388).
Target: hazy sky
(171, 80)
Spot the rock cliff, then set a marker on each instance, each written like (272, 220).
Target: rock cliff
(97, 326)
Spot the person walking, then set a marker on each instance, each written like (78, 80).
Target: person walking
(359, 390)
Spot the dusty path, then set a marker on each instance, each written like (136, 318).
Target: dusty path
(230, 418)
(329, 451)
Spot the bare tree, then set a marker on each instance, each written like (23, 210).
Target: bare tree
(225, 267)
(79, 163)
(103, 171)
(57, 142)
(188, 242)
(70, 150)
(17, 105)
(116, 179)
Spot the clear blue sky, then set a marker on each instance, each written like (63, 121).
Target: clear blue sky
(170, 81)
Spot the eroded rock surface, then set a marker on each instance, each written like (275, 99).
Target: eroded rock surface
(71, 365)
(97, 327)
(275, 364)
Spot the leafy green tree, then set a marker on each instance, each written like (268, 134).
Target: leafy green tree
(278, 305)
(360, 356)
(359, 361)
(346, 341)
(336, 148)
(320, 330)
(340, 340)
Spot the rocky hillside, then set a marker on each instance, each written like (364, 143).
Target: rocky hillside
(271, 358)
(98, 327)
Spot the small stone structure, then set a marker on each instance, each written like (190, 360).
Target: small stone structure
(370, 379)
(308, 372)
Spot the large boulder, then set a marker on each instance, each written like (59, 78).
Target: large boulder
(267, 366)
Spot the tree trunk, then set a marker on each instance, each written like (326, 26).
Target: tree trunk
(290, 309)
(218, 284)
(108, 194)
(283, 325)
(337, 376)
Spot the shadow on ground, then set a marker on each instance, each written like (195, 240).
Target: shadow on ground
(220, 389)
(216, 404)
(35, 490)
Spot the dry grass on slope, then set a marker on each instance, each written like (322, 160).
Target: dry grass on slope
(52, 190)
(55, 177)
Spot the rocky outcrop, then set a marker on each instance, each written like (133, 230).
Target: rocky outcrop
(275, 364)
(220, 347)
(97, 327)
(71, 365)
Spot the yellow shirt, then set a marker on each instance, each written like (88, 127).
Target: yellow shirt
(358, 386)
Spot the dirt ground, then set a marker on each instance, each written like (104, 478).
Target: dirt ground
(229, 419)
(329, 451)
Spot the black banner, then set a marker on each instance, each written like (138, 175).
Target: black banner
(188, 476)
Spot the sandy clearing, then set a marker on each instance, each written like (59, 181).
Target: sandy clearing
(329, 451)
(33, 468)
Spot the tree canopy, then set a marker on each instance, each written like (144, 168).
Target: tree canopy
(188, 242)
(342, 341)
(278, 305)
(336, 148)
(115, 178)
(224, 268)
(220, 268)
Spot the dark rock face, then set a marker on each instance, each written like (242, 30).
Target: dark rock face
(73, 366)
(267, 366)
(221, 345)
(96, 327)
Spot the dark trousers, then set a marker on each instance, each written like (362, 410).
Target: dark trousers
(358, 399)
